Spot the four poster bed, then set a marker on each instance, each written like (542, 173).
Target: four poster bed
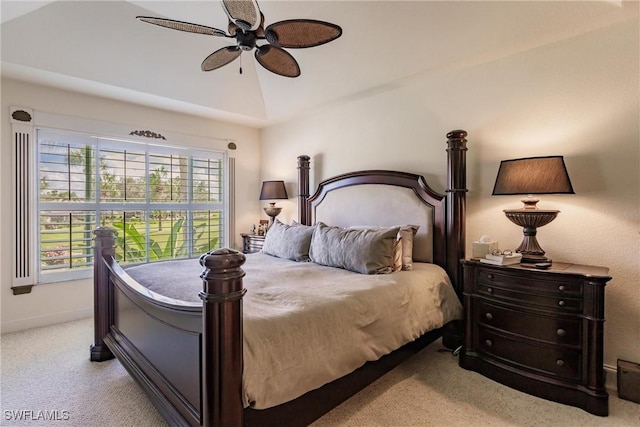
(202, 361)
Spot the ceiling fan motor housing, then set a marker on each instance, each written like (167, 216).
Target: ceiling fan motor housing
(246, 40)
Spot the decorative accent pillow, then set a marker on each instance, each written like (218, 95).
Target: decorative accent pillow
(364, 250)
(288, 241)
(403, 251)
(406, 234)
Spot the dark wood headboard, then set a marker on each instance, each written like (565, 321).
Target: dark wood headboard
(446, 225)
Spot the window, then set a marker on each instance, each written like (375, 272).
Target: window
(164, 202)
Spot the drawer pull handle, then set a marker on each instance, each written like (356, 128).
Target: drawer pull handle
(561, 303)
(489, 316)
(489, 343)
(490, 290)
(561, 332)
(561, 288)
(490, 276)
(560, 362)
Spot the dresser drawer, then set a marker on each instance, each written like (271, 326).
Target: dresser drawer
(553, 329)
(252, 243)
(541, 359)
(536, 300)
(560, 296)
(535, 283)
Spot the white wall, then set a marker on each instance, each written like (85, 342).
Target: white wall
(577, 98)
(64, 301)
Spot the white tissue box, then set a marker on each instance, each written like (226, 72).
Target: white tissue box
(480, 249)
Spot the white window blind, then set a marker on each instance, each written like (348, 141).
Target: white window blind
(164, 202)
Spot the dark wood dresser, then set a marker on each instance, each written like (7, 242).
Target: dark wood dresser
(538, 331)
(251, 243)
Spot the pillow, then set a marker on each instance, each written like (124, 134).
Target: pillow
(397, 254)
(403, 256)
(288, 241)
(364, 250)
(406, 234)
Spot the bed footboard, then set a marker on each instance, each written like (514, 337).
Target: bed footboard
(186, 356)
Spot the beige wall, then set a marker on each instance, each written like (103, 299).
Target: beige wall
(64, 301)
(577, 98)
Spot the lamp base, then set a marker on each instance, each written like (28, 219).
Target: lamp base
(534, 259)
(530, 220)
(272, 211)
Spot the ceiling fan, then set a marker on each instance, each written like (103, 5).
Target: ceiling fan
(246, 25)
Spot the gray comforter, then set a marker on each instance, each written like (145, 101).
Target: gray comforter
(306, 325)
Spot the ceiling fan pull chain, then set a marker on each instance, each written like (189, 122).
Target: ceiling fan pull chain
(240, 64)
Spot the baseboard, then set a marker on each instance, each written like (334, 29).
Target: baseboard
(49, 319)
(611, 381)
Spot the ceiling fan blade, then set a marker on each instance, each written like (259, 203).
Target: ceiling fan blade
(244, 13)
(277, 61)
(299, 33)
(183, 26)
(220, 58)
(233, 28)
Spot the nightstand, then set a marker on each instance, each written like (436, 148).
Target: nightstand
(251, 243)
(538, 331)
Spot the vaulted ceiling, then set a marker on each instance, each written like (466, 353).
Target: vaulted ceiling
(98, 47)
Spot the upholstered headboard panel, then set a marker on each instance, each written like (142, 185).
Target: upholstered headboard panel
(385, 198)
(380, 205)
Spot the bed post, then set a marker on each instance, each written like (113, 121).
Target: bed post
(222, 402)
(456, 205)
(104, 246)
(456, 227)
(304, 207)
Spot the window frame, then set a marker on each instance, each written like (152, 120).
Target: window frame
(149, 147)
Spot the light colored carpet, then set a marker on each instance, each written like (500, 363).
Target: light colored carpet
(48, 369)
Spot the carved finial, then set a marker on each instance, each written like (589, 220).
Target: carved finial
(456, 140)
(222, 260)
(457, 134)
(303, 161)
(104, 232)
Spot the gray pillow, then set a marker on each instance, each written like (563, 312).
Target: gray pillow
(363, 250)
(288, 241)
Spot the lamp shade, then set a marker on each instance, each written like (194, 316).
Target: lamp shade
(533, 175)
(273, 190)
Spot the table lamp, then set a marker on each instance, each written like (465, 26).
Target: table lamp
(273, 190)
(532, 175)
